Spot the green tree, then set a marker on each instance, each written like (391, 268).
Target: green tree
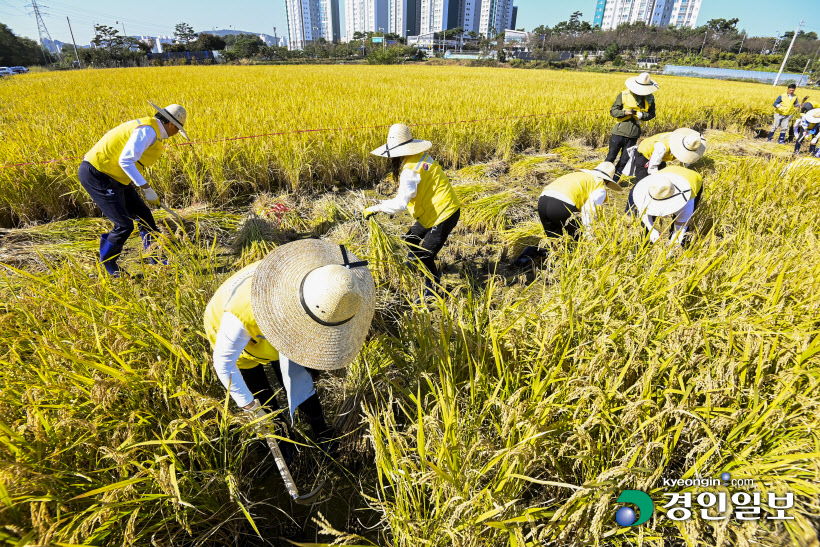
(184, 32)
(18, 51)
(107, 38)
(209, 42)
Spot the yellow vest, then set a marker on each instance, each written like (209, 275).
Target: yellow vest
(786, 106)
(631, 103)
(647, 146)
(577, 187)
(435, 199)
(694, 179)
(235, 296)
(105, 155)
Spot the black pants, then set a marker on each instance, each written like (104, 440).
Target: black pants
(556, 217)
(617, 143)
(257, 381)
(121, 204)
(425, 243)
(641, 166)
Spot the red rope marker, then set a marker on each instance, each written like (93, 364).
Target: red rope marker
(327, 130)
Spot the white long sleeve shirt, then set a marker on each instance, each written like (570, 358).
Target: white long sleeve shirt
(231, 340)
(141, 138)
(596, 199)
(655, 160)
(681, 222)
(408, 186)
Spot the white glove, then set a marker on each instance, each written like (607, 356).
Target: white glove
(652, 170)
(640, 115)
(255, 412)
(151, 196)
(654, 235)
(370, 211)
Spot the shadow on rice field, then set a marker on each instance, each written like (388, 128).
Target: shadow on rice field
(511, 412)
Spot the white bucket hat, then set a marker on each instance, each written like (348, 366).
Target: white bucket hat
(641, 84)
(662, 194)
(687, 145)
(174, 114)
(605, 170)
(813, 115)
(400, 142)
(314, 301)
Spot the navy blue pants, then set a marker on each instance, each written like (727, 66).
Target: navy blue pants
(425, 243)
(121, 204)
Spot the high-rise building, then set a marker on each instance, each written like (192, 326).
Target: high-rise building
(438, 15)
(404, 17)
(415, 17)
(366, 16)
(309, 20)
(661, 13)
(496, 16)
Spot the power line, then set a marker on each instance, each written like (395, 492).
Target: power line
(41, 26)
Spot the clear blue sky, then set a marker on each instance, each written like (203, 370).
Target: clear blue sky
(158, 17)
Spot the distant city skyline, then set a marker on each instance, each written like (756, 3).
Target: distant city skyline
(155, 17)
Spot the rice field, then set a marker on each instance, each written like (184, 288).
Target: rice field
(512, 412)
(54, 115)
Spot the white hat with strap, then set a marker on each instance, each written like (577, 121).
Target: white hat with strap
(400, 142)
(662, 194)
(687, 145)
(174, 114)
(813, 115)
(605, 170)
(314, 302)
(641, 84)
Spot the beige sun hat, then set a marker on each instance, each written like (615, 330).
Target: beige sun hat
(662, 194)
(605, 170)
(641, 84)
(174, 114)
(400, 142)
(687, 145)
(314, 302)
(813, 115)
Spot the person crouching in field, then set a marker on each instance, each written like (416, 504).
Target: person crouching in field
(671, 191)
(425, 191)
(785, 106)
(808, 126)
(631, 108)
(684, 145)
(307, 305)
(567, 198)
(115, 164)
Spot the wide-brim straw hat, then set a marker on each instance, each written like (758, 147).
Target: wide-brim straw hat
(400, 142)
(314, 302)
(605, 170)
(175, 114)
(813, 115)
(687, 145)
(641, 84)
(661, 194)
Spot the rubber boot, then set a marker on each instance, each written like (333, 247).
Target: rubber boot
(617, 176)
(811, 149)
(147, 240)
(771, 136)
(782, 139)
(796, 148)
(109, 253)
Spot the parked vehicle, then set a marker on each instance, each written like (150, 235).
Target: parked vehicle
(18, 69)
(4, 71)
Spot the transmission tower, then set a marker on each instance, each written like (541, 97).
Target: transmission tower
(41, 27)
